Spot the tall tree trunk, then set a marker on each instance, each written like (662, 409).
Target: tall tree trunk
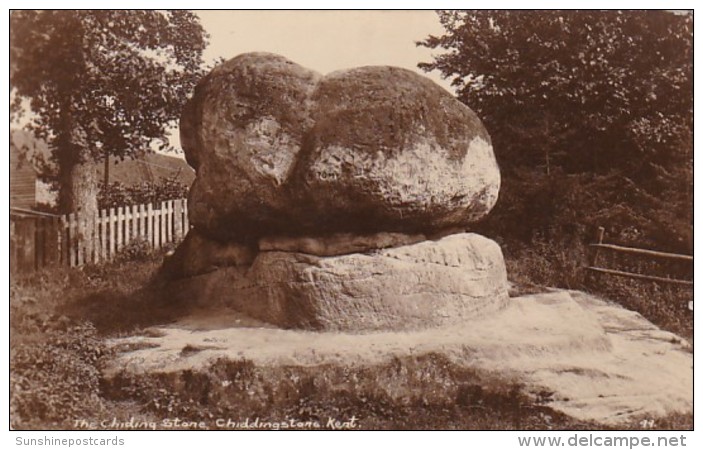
(78, 185)
(79, 189)
(78, 194)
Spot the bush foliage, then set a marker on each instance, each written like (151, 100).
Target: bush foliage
(590, 113)
(118, 194)
(57, 379)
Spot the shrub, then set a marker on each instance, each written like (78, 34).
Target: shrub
(544, 263)
(664, 305)
(572, 206)
(55, 381)
(118, 194)
(138, 249)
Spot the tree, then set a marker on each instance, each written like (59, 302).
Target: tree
(585, 99)
(583, 89)
(101, 83)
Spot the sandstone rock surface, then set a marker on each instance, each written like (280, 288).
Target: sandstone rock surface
(593, 359)
(413, 286)
(391, 149)
(242, 132)
(279, 149)
(338, 244)
(197, 254)
(325, 202)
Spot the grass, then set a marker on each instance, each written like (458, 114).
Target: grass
(60, 319)
(426, 392)
(558, 264)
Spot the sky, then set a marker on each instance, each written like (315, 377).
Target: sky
(324, 41)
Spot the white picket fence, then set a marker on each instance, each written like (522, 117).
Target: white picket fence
(110, 230)
(70, 240)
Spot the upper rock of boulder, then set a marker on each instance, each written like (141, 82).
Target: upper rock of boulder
(279, 149)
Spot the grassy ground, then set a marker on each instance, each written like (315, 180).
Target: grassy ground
(547, 264)
(60, 319)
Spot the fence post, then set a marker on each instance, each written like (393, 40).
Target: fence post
(142, 222)
(96, 237)
(82, 237)
(178, 220)
(24, 240)
(599, 240)
(38, 243)
(156, 226)
(103, 234)
(162, 234)
(14, 247)
(593, 259)
(127, 224)
(72, 240)
(186, 224)
(169, 221)
(135, 218)
(120, 222)
(64, 259)
(53, 244)
(150, 225)
(91, 233)
(111, 236)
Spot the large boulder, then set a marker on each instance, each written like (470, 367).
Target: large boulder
(279, 149)
(391, 150)
(329, 203)
(242, 132)
(421, 285)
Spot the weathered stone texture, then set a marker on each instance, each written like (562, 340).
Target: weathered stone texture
(279, 149)
(413, 286)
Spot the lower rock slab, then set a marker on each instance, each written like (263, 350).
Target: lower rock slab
(599, 361)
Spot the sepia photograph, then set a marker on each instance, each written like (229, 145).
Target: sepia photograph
(321, 220)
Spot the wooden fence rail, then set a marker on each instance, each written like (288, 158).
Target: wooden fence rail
(642, 264)
(38, 240)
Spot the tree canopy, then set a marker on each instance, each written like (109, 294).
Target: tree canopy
(102, 82)
(589, 86)
(602, 93)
